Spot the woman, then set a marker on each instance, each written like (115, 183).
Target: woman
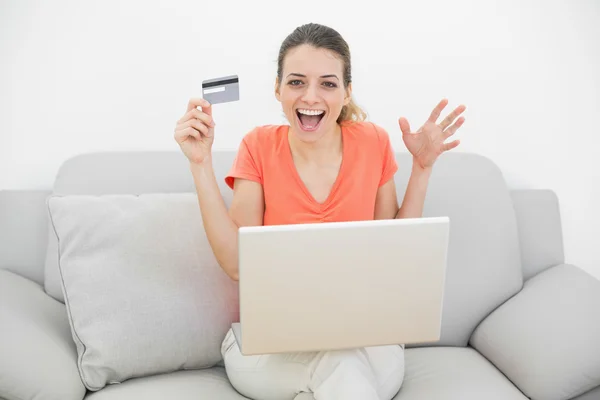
(327, 165)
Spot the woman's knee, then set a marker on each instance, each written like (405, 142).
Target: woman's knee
(265, 377)
(388, 363)
(335, 362)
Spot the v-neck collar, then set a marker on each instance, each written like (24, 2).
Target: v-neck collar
(300, 182)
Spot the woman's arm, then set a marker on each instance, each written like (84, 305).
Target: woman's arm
(221, 225)
(426, 145)
(416, 190)
(386, 203)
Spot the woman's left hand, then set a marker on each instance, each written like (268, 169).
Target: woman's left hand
(428, 142)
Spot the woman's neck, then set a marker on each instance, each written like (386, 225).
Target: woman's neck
(322, 150)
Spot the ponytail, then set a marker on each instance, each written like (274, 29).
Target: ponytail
(352, 113)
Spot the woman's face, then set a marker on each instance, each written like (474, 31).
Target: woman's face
(312, 91)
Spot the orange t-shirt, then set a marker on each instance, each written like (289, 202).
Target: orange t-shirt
(368, 161)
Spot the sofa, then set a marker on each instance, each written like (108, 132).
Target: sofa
(518, 321)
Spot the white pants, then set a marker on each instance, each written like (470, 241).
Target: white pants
(371, 373)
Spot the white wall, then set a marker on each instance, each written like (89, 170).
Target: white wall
(84, 76)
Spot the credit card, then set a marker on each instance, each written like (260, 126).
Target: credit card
(221, 90)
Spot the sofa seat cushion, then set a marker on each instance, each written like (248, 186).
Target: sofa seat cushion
(453, 373)
(181, 385)
(38, 359)
(450, 373)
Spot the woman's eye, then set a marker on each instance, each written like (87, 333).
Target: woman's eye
(330, 84)
(295, 82)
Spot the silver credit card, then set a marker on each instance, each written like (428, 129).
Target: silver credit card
(221, 90)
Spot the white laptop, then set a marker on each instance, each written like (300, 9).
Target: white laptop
(328, 286)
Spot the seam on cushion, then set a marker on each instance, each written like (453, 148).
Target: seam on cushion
(13, 398)
(586, 388)
(67, 305)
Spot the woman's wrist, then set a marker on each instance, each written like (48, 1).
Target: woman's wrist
(205, 164)
(202, 172)
(420, 170)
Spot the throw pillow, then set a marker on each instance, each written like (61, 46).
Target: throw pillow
(144, 292)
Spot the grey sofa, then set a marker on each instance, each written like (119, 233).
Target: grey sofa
(518, 322)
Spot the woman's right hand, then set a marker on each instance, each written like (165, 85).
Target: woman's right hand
(195, 131)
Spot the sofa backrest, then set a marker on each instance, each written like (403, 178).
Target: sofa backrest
(484, 266)
(23, 232)
(540, 229)
(484, 261)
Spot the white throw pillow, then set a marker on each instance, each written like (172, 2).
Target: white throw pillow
(144, 292)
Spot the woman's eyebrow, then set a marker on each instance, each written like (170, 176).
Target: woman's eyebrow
(322, 76)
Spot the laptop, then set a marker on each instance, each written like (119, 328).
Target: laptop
(339, 285)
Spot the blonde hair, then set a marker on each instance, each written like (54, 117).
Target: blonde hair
(324, 37)
(351, 113)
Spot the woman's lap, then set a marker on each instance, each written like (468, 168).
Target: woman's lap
(283, 376)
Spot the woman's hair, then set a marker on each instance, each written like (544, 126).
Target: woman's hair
(323, 37)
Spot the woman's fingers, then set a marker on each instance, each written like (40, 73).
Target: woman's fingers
(193, 128)
(451, 145)
(453, 128)
(435, 114)
(197, 114)
(198, 125)
(199, 102)
(404, 125)
(183, 134)
(452, 116)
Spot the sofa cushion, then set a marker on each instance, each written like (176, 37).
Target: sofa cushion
(181, 385)
(545, 339)
(144, 292)
(451, 373)
(123, 172)
(484, 264)
(38, 359)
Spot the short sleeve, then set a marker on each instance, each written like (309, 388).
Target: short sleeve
(389, 166)
(245, 165)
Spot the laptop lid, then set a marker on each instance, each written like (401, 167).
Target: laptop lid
(328, 286)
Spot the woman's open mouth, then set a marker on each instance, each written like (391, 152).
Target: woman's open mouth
(309, 120)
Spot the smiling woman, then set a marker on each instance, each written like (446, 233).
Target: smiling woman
(315, 64)
(327, 165)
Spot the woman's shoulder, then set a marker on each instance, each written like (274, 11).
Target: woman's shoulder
(264, 136)
(367, 132)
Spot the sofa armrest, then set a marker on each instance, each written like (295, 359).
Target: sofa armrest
(545, 338)
(24, 232)
(540, 229)
(38, 357)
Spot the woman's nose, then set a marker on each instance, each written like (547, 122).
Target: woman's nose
(310, 95)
